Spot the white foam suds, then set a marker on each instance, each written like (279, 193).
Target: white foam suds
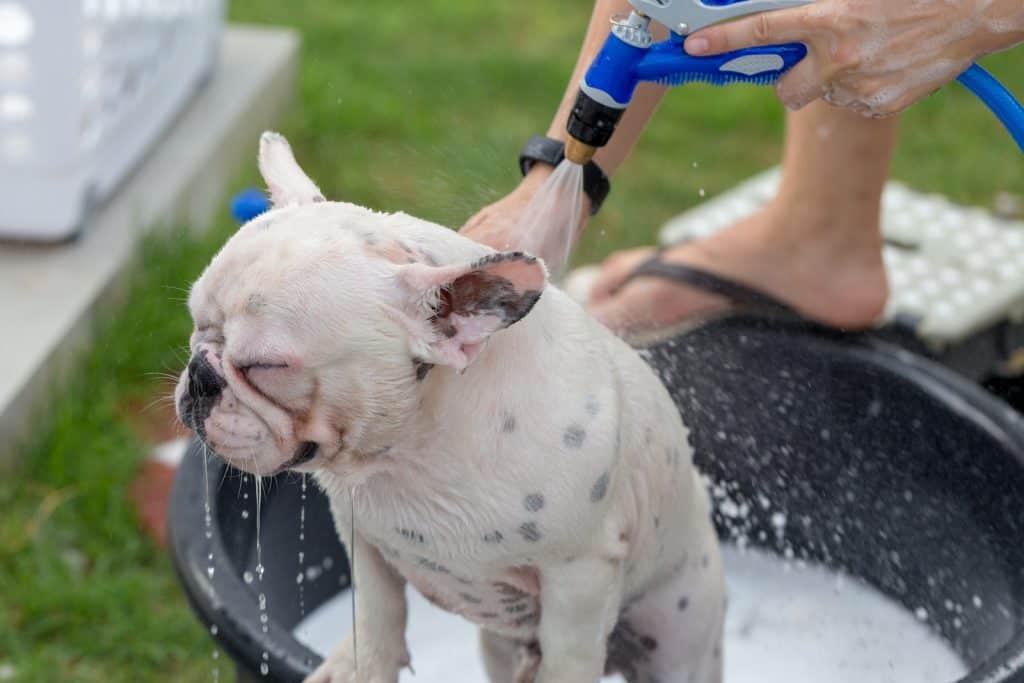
(785, 625)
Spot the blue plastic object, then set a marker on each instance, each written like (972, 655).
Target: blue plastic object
(997, 98)
(248, 204)
(619, 67)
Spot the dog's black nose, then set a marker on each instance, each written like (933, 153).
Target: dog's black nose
(203, 381)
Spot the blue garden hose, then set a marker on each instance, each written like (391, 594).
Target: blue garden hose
(997, 98)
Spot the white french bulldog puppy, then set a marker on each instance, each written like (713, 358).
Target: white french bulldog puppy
(499, 449)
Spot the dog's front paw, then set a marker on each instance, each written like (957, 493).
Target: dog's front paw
(375, 665)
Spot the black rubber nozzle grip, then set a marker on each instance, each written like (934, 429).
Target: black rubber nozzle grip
(591, 122)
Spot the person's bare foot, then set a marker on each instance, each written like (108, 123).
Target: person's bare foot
(828, 268)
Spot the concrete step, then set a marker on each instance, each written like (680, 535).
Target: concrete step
(50, 294)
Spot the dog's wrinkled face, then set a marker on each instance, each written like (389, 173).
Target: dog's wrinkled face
(317, 323)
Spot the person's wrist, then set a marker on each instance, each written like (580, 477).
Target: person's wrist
(1003, 28)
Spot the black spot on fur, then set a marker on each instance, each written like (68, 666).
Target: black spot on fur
(255, 303)
(493, 537)
(421, 367)
(599, 489)
(574, 436)
(510, 599)
(534, 502)
(649, 643)
(508, 589)
(411, 535)
(432, 566)
(704, 561)
(517, 608)
(318, 198)
(509, 425)
(529, 532)
(657, 521)
(626, 651)
(531, 619)
(471, 599)
(683, 603)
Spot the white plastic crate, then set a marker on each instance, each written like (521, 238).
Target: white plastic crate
(85, 87)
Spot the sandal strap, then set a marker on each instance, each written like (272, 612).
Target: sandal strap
(705, 281)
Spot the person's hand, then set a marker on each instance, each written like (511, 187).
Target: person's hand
(495, 224)
(527, 219)
(876, 57)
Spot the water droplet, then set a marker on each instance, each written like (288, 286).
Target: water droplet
(266, 656)
(247, 577)
(209, 572)
(328, 562)
(977, 601)
(216, 654)
(701, 192)
(259, 571)
(209, 534)
(694, 164)
(302, 537)
(263, 601)
(299, 577)
(245, 514)
(921, 613)
(213, 629)
(264, 618)
(264, 669)
(302, 556)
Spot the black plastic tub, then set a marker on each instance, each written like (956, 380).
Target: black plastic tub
(892, 468)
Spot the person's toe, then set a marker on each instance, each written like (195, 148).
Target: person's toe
(632, 307)
(614, 271)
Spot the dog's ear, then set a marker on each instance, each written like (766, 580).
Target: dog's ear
(287, 182)
(460, 307)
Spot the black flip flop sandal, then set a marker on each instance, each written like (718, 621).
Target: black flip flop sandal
(740, 297)
(744, 299)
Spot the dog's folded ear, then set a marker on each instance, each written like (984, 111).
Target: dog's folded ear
(459, 307)
(287, 182)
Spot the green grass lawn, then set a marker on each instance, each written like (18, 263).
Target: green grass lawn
(420, 107)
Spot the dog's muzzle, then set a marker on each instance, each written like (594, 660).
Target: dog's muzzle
(203, 391)
(306, 451)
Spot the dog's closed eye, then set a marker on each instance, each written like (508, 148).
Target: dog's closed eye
(251, 370)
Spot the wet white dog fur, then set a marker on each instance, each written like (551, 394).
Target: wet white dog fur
(501, 451)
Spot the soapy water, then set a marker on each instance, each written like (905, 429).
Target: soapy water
(786, 623)
(549, 224)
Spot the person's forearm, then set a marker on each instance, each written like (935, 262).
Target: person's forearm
(645, 100)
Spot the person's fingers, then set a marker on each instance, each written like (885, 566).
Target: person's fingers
(801, 85)
(615, 269)
(763, 28)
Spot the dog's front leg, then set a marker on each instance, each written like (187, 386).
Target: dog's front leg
(579, 607)
(375, 652)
